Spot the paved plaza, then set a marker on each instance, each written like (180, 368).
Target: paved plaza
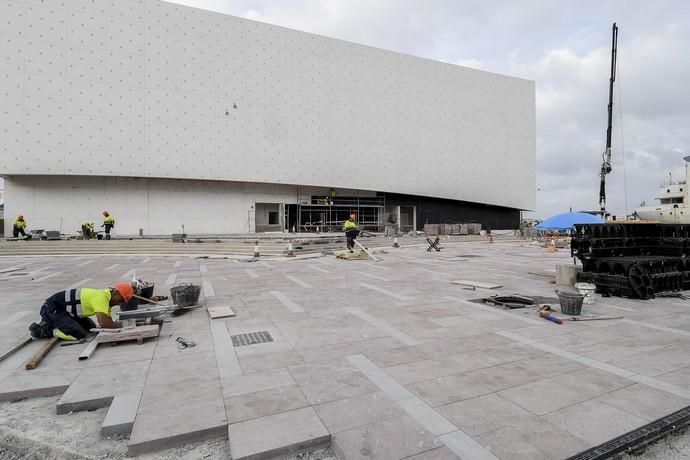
(385, 360)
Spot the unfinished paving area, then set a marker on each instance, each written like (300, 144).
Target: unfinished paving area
(381, 359)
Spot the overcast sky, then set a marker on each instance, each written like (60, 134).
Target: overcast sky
(565, 48)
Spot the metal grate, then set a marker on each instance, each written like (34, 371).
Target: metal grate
(637, 439)
(251, 338)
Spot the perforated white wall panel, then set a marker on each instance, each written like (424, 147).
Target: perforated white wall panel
(153, 89)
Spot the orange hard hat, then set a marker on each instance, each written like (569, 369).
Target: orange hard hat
(20, 217)
(125, 290)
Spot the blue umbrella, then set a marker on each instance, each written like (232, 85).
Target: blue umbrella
(567, 220)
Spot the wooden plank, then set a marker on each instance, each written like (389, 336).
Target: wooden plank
(40, 354)
(220, 312)
(139, 332)
(89, 350)
(20, 344)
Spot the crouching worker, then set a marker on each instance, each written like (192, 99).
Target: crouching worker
(66, 314)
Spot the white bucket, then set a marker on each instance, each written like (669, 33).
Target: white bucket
(587, 290)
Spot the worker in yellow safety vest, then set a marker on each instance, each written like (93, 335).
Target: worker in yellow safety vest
(351, 231)
(108, 223)
(19, 226)
(67, 314)
(87, 230)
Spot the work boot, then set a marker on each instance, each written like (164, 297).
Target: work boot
(40, 331)
(35, 330)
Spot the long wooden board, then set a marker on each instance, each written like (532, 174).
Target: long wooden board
(40, 354)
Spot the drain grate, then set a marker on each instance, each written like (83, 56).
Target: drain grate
(637, 439)
(251, 338)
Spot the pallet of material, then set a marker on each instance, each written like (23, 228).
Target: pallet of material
(138, 333)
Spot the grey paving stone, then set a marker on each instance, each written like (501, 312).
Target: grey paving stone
(270, 361)
(484, 413)
(420, 370)
(329, 382)
(594, 422)
(31, 384)
(348, 413)
(465, 446)
(390, 386)
(644, 401)
(426, 416)
(388, 439)
(97, 386)
(395, 356)
(321, 355)
(280, 434)
(177, 424)
(451, 388)
(440, 453)
(257, 381)
(540, 398)
(182, 402)
(262, 403)
(534, 440)
(679, 377)
(121, 415)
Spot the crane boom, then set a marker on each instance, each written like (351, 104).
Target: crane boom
(606, 156)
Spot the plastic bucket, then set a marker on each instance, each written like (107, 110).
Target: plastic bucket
(587, 290)
(185, 295)
(571, 302)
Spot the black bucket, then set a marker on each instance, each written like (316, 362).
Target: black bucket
(185, 295)
(133, 304)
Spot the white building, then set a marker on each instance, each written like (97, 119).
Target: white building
(167, 115)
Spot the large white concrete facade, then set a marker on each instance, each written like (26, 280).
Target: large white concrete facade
(168, 115)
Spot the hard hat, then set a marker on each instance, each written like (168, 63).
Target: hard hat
(20, 217)
(125, 290)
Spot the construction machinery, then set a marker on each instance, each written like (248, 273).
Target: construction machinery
(606, 156)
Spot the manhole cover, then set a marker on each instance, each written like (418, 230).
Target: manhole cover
(251, 338)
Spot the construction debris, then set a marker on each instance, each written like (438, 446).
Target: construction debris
(477, 284)
(354, 255)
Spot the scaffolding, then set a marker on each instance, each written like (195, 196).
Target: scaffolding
(327, 214)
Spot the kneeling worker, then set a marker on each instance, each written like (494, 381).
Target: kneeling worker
(65, 314)
(87, 230)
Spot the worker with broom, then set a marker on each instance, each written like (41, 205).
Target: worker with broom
(66, 314)
(351, 231)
